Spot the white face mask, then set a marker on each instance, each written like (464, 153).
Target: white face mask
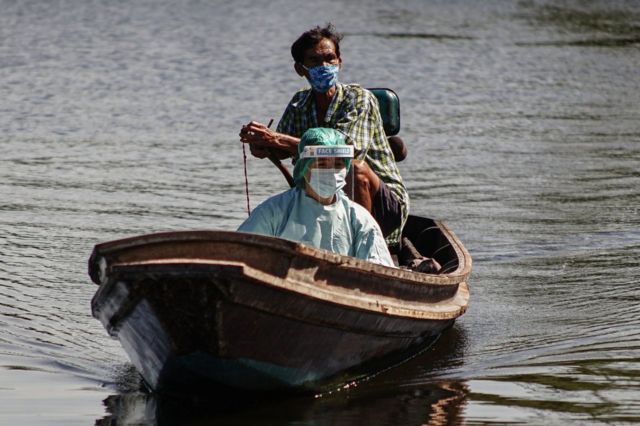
(326, 182)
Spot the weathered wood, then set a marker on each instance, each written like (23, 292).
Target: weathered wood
(255, 312)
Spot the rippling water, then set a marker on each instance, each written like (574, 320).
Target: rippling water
(522, 122)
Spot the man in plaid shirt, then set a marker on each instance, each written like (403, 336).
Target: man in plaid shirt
(348, 108)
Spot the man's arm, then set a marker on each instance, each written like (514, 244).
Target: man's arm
(262, 140)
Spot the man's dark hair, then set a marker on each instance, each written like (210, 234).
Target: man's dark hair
(309, 39)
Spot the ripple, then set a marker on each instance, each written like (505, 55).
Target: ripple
(120, 119)
(595, 42)
(407, 35)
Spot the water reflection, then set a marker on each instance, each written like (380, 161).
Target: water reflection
(409, 394)
(433, 404)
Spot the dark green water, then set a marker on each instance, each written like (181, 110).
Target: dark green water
(522, 121)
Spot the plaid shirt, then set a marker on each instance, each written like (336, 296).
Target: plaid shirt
(354, 111)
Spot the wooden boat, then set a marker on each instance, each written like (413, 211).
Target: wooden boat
(201, 310)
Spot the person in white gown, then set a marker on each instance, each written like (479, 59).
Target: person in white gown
(317, 212)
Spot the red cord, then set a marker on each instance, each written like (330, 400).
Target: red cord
(246, 178)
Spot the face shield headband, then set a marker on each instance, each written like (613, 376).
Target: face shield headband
(323, 151)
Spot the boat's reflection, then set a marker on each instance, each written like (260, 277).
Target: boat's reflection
(402, 395)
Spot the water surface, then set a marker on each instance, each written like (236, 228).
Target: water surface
(521, 120)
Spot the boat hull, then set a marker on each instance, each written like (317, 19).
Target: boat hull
(192, 313)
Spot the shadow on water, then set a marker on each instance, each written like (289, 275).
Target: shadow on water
(608, 19)
(610, 26)
(400, 395)
(429, 36)
(599, 42)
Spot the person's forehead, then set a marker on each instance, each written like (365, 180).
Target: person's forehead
(324, 46)
(328, 161)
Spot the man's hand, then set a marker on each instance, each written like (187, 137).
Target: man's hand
(426, 265)
(258, 152)
(259, 135)
(263, 141)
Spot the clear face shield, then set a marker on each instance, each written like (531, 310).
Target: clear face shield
(327, 173)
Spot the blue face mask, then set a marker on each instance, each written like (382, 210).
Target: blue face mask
(323, 77)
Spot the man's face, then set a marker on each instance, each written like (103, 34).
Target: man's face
(323, 53)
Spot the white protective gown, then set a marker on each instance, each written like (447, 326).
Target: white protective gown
(343, 227)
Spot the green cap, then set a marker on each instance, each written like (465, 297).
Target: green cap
(316, 136)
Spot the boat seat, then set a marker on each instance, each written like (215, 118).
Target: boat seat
(389, 106)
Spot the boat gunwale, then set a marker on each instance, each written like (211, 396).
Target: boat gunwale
(445, 309)
(460, 274)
